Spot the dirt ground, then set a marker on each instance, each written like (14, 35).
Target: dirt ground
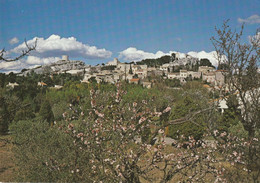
(6, 160)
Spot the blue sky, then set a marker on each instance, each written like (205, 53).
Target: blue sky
(115, 25)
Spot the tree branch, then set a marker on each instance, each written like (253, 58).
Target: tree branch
(24, 52)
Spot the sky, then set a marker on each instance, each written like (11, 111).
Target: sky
(96, 31)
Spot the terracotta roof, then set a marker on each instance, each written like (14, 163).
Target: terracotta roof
(42, 83)
(206, 86)
(135, 79)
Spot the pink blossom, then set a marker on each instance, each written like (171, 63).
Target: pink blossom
(142, 119)
(215, 132)
(80, 135)
(144, 102)
(161, 131)
(235, 153)
(223, 134)
(255, 139)
(167, 109)
(70, 126)
(106, 160)
(64, 114)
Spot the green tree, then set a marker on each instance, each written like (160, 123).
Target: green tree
(2, 80)
(181, 109)
(4, 115)
(40, 148)
(172, 82)
(205, 62)
(25, 112)
(46, 112)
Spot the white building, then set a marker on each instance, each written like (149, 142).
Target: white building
(12, 85)
(183, 73)
(206, 69)
(114, 62)
(209, 77)
(173, 75)
(165, 67)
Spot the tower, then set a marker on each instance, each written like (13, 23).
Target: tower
(65, 57)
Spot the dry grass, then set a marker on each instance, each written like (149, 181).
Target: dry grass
(6, 160)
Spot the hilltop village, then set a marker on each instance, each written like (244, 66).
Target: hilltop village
(169, 67)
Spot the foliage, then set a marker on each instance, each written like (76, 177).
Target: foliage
(4, 115)
(238, 130)
(187, 105)
(25, 112)
(38, 149)
(108, 67)
(173, 82)
(157, 61)
(8, 107)
(243, 81)
(205, 62)
(58, 109)
(117, 133)
(102, 145)
(46, 112)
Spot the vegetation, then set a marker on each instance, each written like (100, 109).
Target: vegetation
(119, 133)
(205, 62)
(157, 61)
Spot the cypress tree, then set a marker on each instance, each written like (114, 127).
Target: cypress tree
(46, 112)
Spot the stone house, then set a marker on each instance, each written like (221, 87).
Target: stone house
(165, 68)
(12, 85)
(139, 67)
(173, 75)
(194, 74)
(154, 73)
(220, 77)
(114, 62)
(141, 73)
(147, 84)
(209, 77)
(206, 69)
(183, 73)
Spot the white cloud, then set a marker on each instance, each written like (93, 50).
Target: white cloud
(49, 51)
(56, 46)
(13, 40)
(255, 39)
(212, 56)
(28, 62)
(17, 65)
(132, 54)
(33, 60)
(254, 19)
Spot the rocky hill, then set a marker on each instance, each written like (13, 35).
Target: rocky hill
(57, 67)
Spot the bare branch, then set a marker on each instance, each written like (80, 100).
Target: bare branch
(24, 52)
(187, 118)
